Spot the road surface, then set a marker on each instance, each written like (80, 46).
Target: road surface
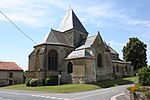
(99, 94)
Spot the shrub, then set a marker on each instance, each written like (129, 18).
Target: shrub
(51, 80)
(33, 82)
(28, 81)
(144, 76)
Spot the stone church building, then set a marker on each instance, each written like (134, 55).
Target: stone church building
(79, 58)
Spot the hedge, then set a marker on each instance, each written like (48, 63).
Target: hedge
(144, 76)
(51, 80)
(31, 82)
(28, 81)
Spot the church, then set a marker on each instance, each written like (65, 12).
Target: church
(77, 57)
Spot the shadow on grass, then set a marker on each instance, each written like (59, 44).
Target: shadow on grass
(112, 83)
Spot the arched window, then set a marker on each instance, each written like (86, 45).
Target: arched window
(125, 68)
(37, 59)
(69, 68)
(52, 60)
(99, 60)
(117, 68)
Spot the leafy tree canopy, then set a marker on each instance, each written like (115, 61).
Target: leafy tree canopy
(135, 51)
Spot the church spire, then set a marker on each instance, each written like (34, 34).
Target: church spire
(71, 21)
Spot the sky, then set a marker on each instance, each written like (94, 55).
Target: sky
(116, 20)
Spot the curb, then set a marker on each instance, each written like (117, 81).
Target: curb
(114, 97)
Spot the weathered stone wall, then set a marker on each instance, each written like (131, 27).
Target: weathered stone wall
(17, 77)
(32, 74)
(41, 60)
(136, 95)
(78, 71)
(122, 69)
(83, 71)
(4, 78)
(75, 36)
(90, 75)
(104, 72)
(36, 58)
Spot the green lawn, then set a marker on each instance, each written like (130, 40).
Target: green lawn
(63, 88)
(75, 87)
(117, 82)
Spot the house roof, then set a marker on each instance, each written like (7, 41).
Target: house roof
(71, 21)
(55, 37)
(10, 66)
(121, 61)
(79, 54)
(88, 42)
(112, 50)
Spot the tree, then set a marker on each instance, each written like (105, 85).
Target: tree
(135, 51)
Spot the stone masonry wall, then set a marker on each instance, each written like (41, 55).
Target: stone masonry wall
(17, 77)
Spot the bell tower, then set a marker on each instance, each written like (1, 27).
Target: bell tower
(73, 28)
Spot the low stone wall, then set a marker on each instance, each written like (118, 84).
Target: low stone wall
(135, 96)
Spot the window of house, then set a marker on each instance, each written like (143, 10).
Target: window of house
(99, 60)
(10, 75)
(52, 60)
(69, 68)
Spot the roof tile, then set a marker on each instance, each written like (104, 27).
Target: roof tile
(71, 21)
(9, 66)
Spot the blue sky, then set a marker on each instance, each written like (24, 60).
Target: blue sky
(117, 21)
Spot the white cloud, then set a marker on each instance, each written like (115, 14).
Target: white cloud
(36, 13)
(11, 3)
(32, 13)
(62, 4)
(107, 13)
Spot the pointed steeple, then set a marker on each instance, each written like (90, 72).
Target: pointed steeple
(71, 21)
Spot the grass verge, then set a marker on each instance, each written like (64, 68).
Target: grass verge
(117, 82)
(75, 87)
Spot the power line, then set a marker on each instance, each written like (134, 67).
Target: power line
(17, 27)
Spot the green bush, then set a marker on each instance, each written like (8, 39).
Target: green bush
(51, 80)
(144, 76)
(33, 82)
(28, 81)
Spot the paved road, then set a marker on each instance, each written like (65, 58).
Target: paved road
(100, 94)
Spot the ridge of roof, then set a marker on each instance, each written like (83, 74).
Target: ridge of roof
(71, 21)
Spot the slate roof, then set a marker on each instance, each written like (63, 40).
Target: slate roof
(10, 66)
(55, 37)
(88, 42)
(71, 21)
(112, 50)
(121, 61)
(79, 54)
